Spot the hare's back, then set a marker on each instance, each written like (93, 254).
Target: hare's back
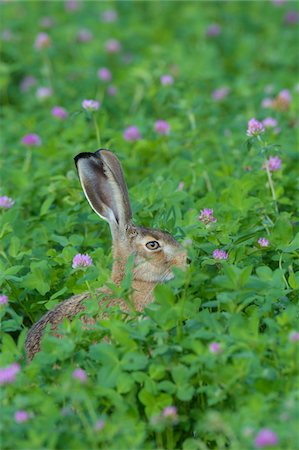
(67, 309)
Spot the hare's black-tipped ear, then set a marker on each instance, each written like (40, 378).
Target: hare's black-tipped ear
(103, 184)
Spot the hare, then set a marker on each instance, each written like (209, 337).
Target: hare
(155, 251)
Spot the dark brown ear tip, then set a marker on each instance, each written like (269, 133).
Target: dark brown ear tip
(82, 155)
(88, 155)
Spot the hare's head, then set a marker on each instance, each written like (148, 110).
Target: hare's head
(156, 251)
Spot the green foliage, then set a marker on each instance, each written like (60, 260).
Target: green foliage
(139, 365)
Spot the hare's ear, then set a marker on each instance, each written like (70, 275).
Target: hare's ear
(103, 183)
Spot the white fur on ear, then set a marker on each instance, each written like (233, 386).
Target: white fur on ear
(108, 216)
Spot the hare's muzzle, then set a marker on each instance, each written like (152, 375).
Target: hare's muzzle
(180, 259)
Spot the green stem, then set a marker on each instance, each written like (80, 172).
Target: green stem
(263, 148)
(90, 409)
(159, 441)
(90, 290)
(86, 425)
(208, 181)
(97, 131)
(280, 267)
(27, 161)
(271, 184)
(88, 287)
(169, 438)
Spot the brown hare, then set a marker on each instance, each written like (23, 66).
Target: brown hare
(155, 252)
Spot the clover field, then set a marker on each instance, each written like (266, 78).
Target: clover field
(199, 100)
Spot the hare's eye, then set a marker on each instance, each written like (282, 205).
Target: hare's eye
(152, 245)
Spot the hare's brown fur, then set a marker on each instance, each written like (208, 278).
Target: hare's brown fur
(72, 306)
(104, 186)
